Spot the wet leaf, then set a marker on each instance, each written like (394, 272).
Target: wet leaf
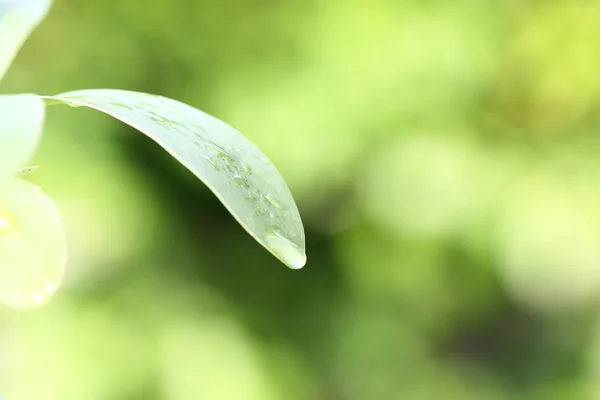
(237, 172)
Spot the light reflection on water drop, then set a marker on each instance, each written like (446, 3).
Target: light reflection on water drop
(211, 162)
(292, 255)
(273, 202)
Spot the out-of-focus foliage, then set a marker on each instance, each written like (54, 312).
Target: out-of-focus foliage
(17, 19)
(444, 158)
(22, 123)
(33, 250)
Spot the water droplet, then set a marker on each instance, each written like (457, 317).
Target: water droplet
(225, 156)
(211, 162)
(32, 245)
(241, 181)
(273, 202)
(288, 252)
(247, 170)
(251, 196)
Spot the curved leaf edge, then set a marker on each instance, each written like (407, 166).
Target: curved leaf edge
(278, 242)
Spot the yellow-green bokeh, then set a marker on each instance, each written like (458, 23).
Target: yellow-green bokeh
(444, 157)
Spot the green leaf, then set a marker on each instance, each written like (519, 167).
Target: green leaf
(21, 124)
(18, 18)
(235, 170)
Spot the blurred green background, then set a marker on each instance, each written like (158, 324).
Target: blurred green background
(444, 157)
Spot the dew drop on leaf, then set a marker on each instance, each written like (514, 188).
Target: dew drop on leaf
(273, 202)
(285, 249)
(33, 249)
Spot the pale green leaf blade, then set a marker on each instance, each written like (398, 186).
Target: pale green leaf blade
(21, 125)
(237, 172)
(18, 18)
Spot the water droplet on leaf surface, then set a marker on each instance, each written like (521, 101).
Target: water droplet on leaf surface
(292, 255)
(241, 181)
(273, 202)
(211, 162)
(33, 251)
(250, 196)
